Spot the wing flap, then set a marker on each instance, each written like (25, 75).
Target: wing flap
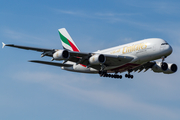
(145, 66)
(79, 54)
(117, 60)
(51, 63)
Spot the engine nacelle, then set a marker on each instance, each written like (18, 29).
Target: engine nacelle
(160, 67)
(97, 59)
(61, 55)
(172, 68)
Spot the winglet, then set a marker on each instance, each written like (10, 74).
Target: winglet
(3, 44)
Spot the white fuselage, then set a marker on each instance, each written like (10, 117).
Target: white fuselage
(142, 52)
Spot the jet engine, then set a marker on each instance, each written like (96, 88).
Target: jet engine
(61, 55)
(165, 68)
(160, 67)
(97, 59)
(172, 68)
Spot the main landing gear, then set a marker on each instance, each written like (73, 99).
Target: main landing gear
(104, 74)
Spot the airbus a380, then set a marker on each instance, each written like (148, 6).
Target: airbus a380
(136, 56)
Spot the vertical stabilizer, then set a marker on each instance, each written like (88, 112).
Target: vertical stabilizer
(67, 41)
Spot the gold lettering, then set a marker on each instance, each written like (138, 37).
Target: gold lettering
(145, 45)
(128, 49)
(116, 51)
(124, 50)
(119, 50)
(142, 46)
(137, 47)
(133, 48)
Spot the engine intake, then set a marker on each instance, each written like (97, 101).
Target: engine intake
(61, 55)
(172, 68)
(97, 59)
(160, 67)
(164, 66)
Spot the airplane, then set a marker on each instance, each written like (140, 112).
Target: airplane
(132, 57)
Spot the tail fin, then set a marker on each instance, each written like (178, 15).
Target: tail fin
(67, 41)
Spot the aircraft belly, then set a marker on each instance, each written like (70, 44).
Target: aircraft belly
(80, 68)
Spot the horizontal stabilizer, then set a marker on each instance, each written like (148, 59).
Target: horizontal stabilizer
(51, 63)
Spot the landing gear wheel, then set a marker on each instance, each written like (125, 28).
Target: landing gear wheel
(126, 75)
(120, 76)
(103, 73)
(129, 76)
(132, 76)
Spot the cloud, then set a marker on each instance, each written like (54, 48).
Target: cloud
(113, 16)
(166, 7)
(72, 13)
(161, 7)
(171, 28)
(68, 12)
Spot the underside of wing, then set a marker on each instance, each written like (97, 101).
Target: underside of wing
(145, 66)
(117, 60)
(51, 63)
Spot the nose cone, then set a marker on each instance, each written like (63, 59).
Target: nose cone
(169, 49)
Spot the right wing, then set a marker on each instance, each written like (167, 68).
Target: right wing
(112, 61)
(145, 66)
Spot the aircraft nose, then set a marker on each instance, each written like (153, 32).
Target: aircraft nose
(170, 49)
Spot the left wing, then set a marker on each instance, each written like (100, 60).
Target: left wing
(46, 52)
(110, 61)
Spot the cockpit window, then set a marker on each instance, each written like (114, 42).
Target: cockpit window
(164, 44)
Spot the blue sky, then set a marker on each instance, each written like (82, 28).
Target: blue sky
(33, 91)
